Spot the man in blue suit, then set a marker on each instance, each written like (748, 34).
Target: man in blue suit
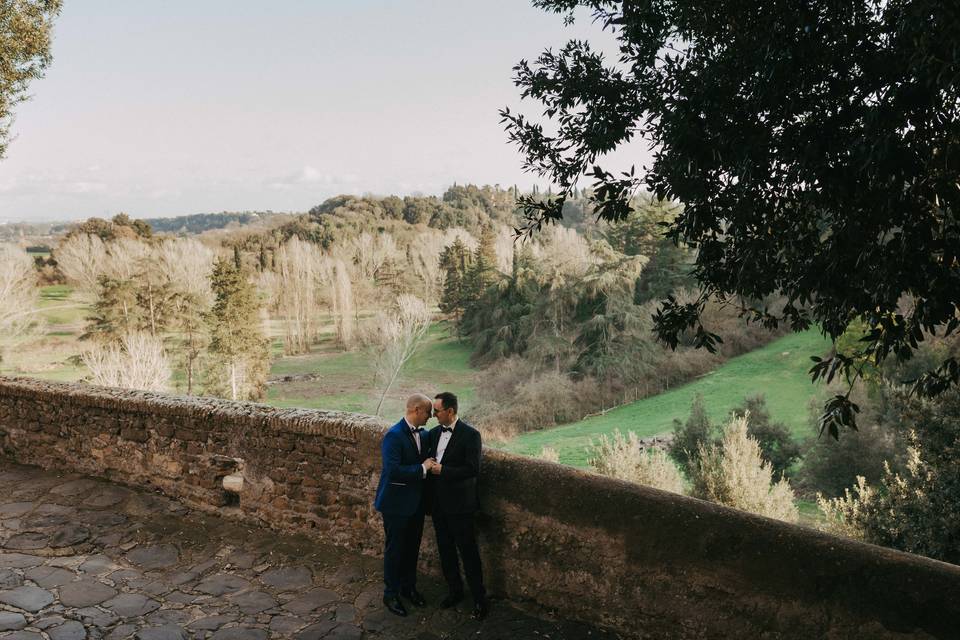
(400, 500)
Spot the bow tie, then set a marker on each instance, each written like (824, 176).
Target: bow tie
(416, 429)
(446, 429)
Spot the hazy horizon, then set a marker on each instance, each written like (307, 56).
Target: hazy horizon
(184, 108)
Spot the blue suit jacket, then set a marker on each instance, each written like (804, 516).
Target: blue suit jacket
(400, 490)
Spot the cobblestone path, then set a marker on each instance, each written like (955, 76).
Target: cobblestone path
(82, 558)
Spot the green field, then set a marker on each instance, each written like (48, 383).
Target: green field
(778, 370)
(346, 380)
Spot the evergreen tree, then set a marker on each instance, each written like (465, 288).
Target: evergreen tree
(482, 272)
(453, 261)
(115, 312)
(193, 335)
(690, 437)
(777, 444)
(155, 299)
(237, 344)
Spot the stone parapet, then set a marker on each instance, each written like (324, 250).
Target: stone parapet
(646, 563)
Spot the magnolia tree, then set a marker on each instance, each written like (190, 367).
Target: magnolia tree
(400, 332)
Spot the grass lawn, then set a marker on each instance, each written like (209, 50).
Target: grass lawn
(778, 370)
(62, 314)
(346, 380)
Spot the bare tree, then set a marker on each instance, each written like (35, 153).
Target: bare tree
(125, 258)
(82, 258)
(298, 277)
(400, 333)
(343, 304)
(187, 264)
(137, 361)
(18, 293)
(504, 246)
(370, 253)
(425, 262)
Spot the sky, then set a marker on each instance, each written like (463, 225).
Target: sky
(185, 106)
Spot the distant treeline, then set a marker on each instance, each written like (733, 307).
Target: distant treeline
(200, 222)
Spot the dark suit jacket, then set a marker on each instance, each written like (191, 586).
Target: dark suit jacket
(455, 489)
(400, 491)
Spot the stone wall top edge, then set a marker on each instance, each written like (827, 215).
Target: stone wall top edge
(613, 500)
(289, 420)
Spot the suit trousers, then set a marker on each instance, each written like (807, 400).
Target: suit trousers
(456, 532)
(401, 550)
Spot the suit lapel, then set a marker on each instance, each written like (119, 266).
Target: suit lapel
(410, 439)
(455, 437)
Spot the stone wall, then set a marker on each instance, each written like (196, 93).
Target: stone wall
(646, 563)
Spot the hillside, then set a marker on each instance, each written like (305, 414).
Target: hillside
(778, 370)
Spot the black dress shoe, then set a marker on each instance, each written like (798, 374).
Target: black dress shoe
(481, 609)
(414, 597)
(451, 600)
(394, 606)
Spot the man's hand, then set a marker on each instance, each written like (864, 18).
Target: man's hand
(436, 467)
(429, 463)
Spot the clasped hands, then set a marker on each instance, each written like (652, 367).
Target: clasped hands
(431, 465)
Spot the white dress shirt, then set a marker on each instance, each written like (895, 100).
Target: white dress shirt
(416, 438)
(444, 441)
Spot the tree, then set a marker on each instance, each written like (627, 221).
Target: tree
(82, 258)
(237, 345)
(116, 311)
(814, 150)
(135, 361)
(690, 437)
(776, 442)
(914, 509)
(342, 302)
(400, 333)
(25, 35)
(298, 279)
(454, 261)
(190, 312)
(734, 473)
(18, 292)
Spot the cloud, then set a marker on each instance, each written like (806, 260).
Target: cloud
(45, 184)
(311, 176)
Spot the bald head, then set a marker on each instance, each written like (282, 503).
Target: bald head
(419, 408)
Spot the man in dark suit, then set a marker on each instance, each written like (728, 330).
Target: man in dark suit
(452, 488)
(400, 500)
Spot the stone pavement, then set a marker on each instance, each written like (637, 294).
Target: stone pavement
(82, 558)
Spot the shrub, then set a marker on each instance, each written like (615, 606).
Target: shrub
(916, 509)
(831, 466)
(735, 474)
(621, 457)
(549, 454)
(513, 398)
(776, 442)
(690, 436)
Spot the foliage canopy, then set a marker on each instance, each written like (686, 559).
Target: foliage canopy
(25, 35)
(815, 149)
